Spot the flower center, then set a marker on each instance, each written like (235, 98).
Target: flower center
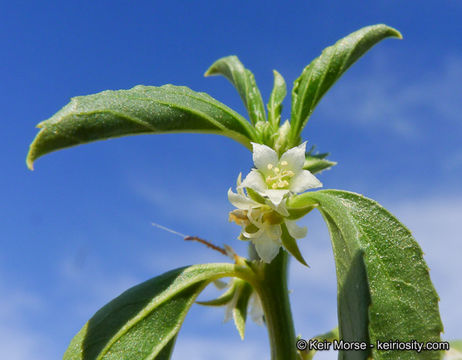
(278, 176)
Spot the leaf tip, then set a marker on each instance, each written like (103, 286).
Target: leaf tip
(303, 262)
(30, 163)
(398, 34)
(240, 326)
(392, 31)
(30, 158)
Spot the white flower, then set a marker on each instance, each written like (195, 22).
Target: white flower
(260, 223)
(262, 214)
(275, 178)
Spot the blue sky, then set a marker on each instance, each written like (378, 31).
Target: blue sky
(76, 232)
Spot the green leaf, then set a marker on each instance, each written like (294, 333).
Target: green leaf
(222, 300)
(316, 163)
(244, 82)
(240, 310)
(236, 299)
(329, 336)
(144, 321)
(384, 288)
(325, 70)
(276, 98)
(140, 110)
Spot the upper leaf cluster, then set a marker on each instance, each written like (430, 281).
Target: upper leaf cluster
(166, 109)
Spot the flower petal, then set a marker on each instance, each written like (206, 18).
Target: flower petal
(254, 180)
(297, 232)
(241, 202)
(295, 157)
(276, 196)
(304, 181)
(256, 235)
(231, 306)
(281, 208)
(267, 249)
(256, 309)
(262, 156)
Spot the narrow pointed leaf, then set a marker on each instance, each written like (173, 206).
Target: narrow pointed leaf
(384, 287)
(244, 82)
(223, 299)
(325, 70)
(276, 98)
(144, 321)
(329, 336)
(316, 164)
(140, 110)
(240, 310)
(290, 244)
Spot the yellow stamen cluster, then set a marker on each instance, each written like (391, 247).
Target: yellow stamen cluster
(279, 176)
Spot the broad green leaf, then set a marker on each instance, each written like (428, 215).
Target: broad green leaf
(325, 70)
(276, 98)
(244, 82)
(144, 321)
(384, 288)
(140, 110)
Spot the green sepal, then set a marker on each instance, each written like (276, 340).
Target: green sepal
(140, 110)
(299, 202)
(277, 96)
(298, 212)
(255, 196)
(324, 71)
(244, 82)
(290, 244)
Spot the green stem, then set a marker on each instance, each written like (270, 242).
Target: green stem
(274, 297)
